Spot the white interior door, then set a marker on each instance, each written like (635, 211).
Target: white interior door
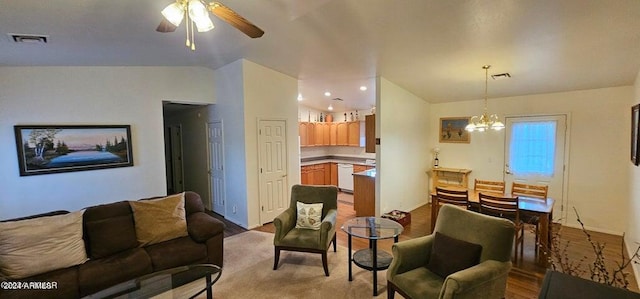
(535, 151)
(272, 142)
(216, 167)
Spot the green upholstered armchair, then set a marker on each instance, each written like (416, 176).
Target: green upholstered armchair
(290, 238)
(408, 273)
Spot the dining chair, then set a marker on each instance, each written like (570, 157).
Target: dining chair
(505, 207)
(457, 197)
(489, 186)
(535, 191)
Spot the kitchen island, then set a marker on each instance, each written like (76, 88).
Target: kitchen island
(364, 193)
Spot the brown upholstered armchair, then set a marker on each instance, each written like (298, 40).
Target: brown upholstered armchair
(411, 272)
(290, 238)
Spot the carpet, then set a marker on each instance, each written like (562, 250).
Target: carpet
(248, 272)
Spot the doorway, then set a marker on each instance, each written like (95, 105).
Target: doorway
(216, 167)
(173, 156)
(536, 153)
(272, 176)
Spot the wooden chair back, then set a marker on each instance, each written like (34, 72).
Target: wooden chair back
(536, 191)
(489, 186)
(455, 197)
(500, 206)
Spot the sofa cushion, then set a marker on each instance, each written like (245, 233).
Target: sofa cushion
(63, 283)
(159, 220)
(110, 236)
(176, 252)
(96, 275)
(39, 245)
(450, 255)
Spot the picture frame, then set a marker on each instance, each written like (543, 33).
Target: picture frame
(45, 149)
(635, 134)
(452, 130)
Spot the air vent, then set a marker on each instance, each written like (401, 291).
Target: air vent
(501, 76)
(29, 38)
(337, 99)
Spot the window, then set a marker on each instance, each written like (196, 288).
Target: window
(533, 148)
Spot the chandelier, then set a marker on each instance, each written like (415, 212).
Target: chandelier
(485, 121)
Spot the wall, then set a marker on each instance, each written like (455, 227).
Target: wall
(229, 109)
(597, 185)
(632, 236)
(268, 95)
(402, 123)
(91, 95)
(248, 92)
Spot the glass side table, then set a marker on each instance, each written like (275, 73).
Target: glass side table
(373, 229)
(157, 283)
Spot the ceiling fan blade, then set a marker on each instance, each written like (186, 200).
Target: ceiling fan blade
(166, 26)
(234, 19)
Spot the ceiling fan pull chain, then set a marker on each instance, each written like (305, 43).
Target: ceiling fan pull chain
(188, 42)
(193, 38)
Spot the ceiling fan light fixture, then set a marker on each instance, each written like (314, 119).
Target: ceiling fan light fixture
(197, 11)
(205, 24)
(174, 13)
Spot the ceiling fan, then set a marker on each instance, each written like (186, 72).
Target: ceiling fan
(198, 12)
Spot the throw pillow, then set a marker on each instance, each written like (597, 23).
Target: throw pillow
(450, 255)
(309, 215)
(39, 245)
(159, 220)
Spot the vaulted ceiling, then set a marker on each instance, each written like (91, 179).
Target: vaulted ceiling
(432, 48)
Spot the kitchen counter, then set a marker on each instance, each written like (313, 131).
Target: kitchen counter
(367, 173)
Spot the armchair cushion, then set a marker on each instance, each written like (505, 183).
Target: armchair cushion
(450, 255)
(309, 215)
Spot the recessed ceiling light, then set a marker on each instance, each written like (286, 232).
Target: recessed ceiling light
(327, 94)
(363, 88)
(299, 97)
(330, 107)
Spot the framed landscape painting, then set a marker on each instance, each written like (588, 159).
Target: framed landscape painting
(452, 130)
(44, 149)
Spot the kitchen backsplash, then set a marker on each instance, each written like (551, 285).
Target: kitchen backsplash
(346, 151)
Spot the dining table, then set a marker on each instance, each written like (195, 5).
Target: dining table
(540, 207)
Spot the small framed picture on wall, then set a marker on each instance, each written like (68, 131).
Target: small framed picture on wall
(452, 130)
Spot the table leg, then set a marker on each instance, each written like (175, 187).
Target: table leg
(545, 239)
(434, 210)
(209, 291)
(375, 268)
(350, 279)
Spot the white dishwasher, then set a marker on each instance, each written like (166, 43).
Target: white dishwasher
(345, 177)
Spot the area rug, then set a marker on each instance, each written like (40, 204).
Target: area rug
(248, 272)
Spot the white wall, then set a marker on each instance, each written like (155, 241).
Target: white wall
(269, 95)
(248, 92)
(599, 149)
(91, 95)
(229, 109)
(402, 124)
(632, 236)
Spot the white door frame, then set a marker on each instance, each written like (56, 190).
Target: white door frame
(559, 216)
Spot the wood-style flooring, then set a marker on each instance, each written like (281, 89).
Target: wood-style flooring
(524, 279)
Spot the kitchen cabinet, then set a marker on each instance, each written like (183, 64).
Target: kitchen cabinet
(342, 132)
(318, 174)
(364, 194)
(330, 134)
(360, 168)
(353, 134)
(370, 133)
(318, 134)
(334, 174)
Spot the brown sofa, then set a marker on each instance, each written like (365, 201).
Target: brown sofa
(114, 255)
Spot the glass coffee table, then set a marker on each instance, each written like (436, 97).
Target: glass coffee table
(373, 229)
(163, 281)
